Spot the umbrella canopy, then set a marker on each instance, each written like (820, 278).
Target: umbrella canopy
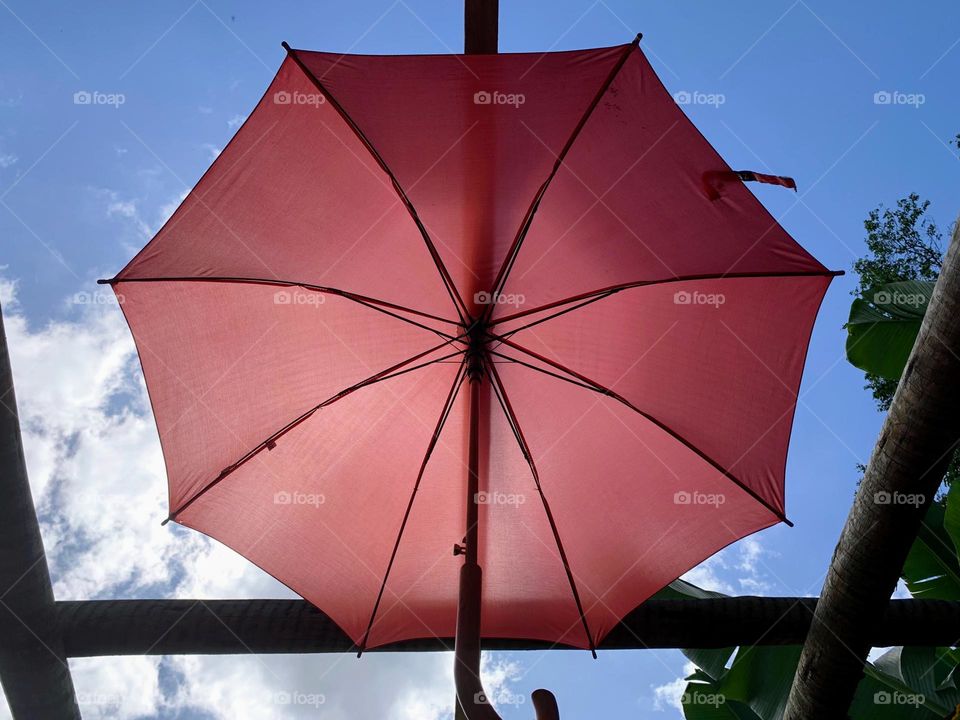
(550, 225)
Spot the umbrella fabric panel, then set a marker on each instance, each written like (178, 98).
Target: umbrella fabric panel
(634, 201)
(634, 508)
(470, 138)
(526, 593)
(229, 364)
(321, 511)
(697, 356)
(296, 197)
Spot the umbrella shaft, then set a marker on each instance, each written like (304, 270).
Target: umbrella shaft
(473, 474)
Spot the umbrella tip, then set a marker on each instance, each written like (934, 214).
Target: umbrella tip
(104, 281)
(165, 521)
(286, 46)
(788, 522)
(638, 38)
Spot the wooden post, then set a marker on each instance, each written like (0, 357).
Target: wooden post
(915, 445)
(480, 26)
(33, 667)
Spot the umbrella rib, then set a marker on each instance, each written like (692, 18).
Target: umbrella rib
(593, 295)
(597, 387)
(444, 414)
(501, 394)
(514, 250)
(391, 372)
(381, 306)
(448, 283)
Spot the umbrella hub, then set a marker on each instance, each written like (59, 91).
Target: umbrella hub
(476, 354)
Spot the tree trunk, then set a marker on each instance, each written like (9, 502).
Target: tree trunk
(915, 445)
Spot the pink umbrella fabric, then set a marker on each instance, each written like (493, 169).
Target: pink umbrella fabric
(302, 321)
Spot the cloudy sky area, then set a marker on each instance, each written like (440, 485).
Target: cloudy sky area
(83, 187)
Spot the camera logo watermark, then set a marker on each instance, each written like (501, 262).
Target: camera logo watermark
(302, 699)
(285, 497)
(284, 97)
(95, 97)
(885, 297)
(883, 697)
(898, 498)
(696, 97)
(684, 297)
(499, 498)
(298, 297)
(485, 298)
(895, 97)
(494, 97)
(682, 497)
(504, 697)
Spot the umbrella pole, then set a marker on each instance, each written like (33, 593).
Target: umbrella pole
(471, 700)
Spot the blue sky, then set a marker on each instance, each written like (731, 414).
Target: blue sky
(82, 186)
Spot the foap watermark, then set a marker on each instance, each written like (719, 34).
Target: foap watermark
(898, 498)
(103, 700)
(285, 497)
(886, 297)
(686, 297)
(485, 298)
(98, 298)
(298, 297)
(504, 697)
(499, 498)
(895, 97)
(697, 97)
(302, 699)
(95, 97)
(711, 699)
(285, 97)
(683, 497)
(495, 97)
(884, 697)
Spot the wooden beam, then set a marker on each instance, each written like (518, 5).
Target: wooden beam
(916, 443)
(33, 666)
(480, 26)
(215, 627)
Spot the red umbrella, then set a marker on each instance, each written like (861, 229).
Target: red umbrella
(514, 305)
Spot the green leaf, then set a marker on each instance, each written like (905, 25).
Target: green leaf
(881, 698)
(760, 677)
(951, 516)
(932, 570)
(706, 702)
(883, 326)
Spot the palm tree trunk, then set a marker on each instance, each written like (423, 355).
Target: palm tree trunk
(915, 445)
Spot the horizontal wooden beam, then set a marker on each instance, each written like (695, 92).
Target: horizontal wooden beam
(215, 627)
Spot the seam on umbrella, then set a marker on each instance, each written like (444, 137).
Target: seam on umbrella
(448, 283)
(612, 289)
(372, 303)
(501, 394)
(444, 414)
(597, 387)
(524, 228)
(268, 444)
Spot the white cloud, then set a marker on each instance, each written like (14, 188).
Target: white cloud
(213, 152)
(98, 481)
(667, 696)
(736, 570)
(7, 160)
(236, 121)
